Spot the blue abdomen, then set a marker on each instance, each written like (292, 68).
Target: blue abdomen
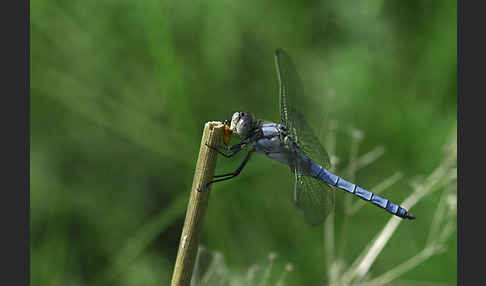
(320, 173)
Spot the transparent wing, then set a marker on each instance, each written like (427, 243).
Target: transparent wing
(306, 140)
(290, 89)
(314, 197)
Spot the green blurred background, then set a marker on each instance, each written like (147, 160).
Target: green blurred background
(120, 91)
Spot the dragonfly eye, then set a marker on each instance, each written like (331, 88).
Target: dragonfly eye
(241, 123)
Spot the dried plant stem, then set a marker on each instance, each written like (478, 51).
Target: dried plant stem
(440, 177)
(217, 260)
(402, 268)
(438, 217)
(266, 274)
(356, 138)
(329, 227)
(198, 201)
(329, 245)
(369, 158)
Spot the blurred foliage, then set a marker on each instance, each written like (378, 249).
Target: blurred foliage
(120, 91)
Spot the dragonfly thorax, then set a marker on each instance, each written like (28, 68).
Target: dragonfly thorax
(242, 123)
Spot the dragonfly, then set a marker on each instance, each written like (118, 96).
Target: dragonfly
(292, 142)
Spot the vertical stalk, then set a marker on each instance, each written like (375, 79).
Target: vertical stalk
(329, 224)
(198, 202)
(356, 138)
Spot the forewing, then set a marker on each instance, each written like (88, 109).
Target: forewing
(314, 197)
(307, 141)
(289, 85)
(290, 91)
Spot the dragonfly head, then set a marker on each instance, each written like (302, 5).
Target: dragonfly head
(241, 123)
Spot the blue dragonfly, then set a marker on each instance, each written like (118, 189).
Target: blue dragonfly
(292, 142)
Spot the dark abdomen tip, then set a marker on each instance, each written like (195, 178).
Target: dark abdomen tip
(409, 216)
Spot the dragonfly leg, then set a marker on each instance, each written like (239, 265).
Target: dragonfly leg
(233, 148)
(232, 174)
